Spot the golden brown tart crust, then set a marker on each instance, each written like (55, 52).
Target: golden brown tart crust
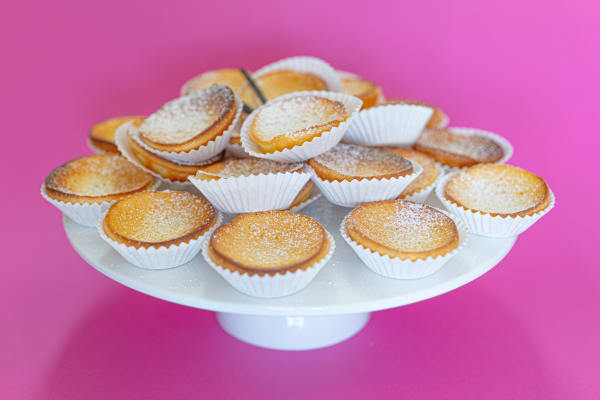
(498, 190)
(284, 124)
(230, 77)
(458, 150)
(365, 90)
(166, 168)
(190, 122)
(96, 179)
(102, 135)
(155, 219)
(402, 229)
(268, 242)
(346, 162)
(303, 195)
(436, 119)
(425, 179)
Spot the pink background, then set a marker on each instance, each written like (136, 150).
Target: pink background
(527, 70)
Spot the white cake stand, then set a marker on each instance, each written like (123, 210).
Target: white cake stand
(335, 306)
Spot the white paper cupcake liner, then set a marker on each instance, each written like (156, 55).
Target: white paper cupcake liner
(205, 152)
(391, 124)
(278, 285)
(314, 196)
(313, 147)
(485, 224)
(311, 65)
(84, 214)
(163, 257)
(124, 147)
(423, 194)
(236, 151)
(507, 148)
(262, 192)
(357, 191)
(392, 267)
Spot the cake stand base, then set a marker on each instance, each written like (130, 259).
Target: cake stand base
(292, 332)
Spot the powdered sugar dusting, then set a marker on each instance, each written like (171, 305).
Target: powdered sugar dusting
(251, 166)
(269, 239)
(184, 118)
(403, 225)
(293, 116)
(501, 189)
(154, 217)
(354, 160)
(98, 175)
(476, 147)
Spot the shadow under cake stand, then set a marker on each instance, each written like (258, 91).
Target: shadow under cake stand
(334, 307)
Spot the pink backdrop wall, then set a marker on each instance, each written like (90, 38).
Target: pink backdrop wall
(527, 70)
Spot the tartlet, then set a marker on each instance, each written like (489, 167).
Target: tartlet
(349, 174)
(233, 78)
(403, 240)
(166, 169)
(458, 150)
(190, 122)
(102, 135)
(438, 119)
(419, 189)
(96, 179)
(158, 230)
(85, 187)
(346, 162)
(292, 121)
(496, 200)
(498, 190)
(250, 184)
(280, 82)
(402, 229)
(365, 90)
(306, 193)
(270, 253)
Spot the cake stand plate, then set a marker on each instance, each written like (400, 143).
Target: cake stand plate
(335, 306)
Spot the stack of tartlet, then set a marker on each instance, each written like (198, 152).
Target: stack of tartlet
(260, 145)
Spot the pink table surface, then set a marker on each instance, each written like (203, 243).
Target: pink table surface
(527, 70)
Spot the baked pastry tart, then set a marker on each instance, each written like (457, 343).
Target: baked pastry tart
(270, 253)
(350, 174)
(230, 77)
(496, 200)
(158, 230)
(102, 135)
(401, 239)
(250, 184)
(306, 193)
(165, 168)
(190, 122)
(438, 119)
(454, 149)
(85, 187)
(419, 189)
(365, 90)
(280, 82)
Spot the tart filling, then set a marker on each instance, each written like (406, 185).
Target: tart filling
(189, 122)
(402, 229)
(157, 219)
(458, 150)
(498, 190)
(280, 82)
(95, 179)
(425, 179)
(290, 122)
(346, 162)
(268, 242)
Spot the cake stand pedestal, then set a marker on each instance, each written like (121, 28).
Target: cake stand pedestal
(335, 306)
